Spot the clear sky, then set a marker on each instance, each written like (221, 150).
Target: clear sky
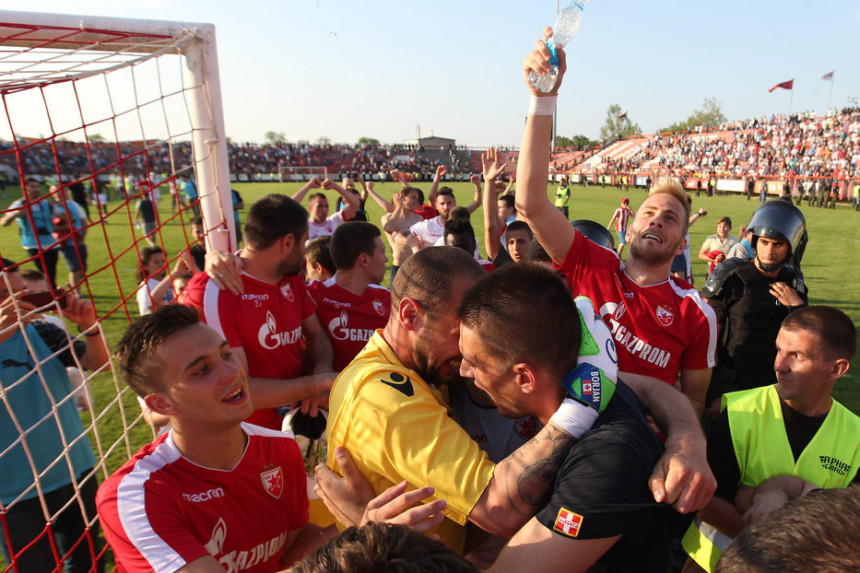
(346, 69)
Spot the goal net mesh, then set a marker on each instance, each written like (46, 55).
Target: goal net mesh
(103, 115)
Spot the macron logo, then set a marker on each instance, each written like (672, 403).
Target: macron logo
(215, 493)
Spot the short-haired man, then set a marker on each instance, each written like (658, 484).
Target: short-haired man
(808, 534)
(715, 248)
(621, 220)
(351, 305)
(320, 222)
(516, 234)
(214, 493)
(773, 444)
(429, 231)
(460, 233)
(35, 227)
(387, 410)
(319, 265)
(265, 323)
(660, 324)
(600, 502)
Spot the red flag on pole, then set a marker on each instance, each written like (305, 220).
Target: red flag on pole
(828, 75)
(784, 85)
(622, 116)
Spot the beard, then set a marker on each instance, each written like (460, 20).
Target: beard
(434, 371)
(652, 257)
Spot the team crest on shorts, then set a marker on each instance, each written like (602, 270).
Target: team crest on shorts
(273, 481)
(287, 291)
(379, 308)
(567, 522)
(665, 316)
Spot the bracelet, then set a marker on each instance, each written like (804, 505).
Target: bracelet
(93, 333)
(574, 417)
(542, 105)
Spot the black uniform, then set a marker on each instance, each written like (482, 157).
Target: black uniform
(750, 318)
(601, 489)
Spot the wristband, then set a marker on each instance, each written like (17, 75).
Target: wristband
(574, 417)
(542, 105)
(89, 334)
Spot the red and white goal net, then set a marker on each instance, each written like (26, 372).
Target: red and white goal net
(124, 116)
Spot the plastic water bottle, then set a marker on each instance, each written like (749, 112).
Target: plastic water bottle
(565, 28)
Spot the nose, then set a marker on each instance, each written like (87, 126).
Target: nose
(779, 364)
(230, 371)
(466, 370)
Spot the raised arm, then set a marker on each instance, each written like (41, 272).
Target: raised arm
(368, 189)
(550, 226)
(350, 199)
(299, 195)
(492, 226)
(476, 202)
(441, 170)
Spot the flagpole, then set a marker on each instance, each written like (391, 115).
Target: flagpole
(791, 100)
(830, 97)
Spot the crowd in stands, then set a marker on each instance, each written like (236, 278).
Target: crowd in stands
(800, 145)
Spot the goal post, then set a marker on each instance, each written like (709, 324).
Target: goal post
(92, 105)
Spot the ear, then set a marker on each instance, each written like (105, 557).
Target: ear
(840, 367)
(681, 246)
(288, 242)
(526, 378)
(410, 314)
(159, 404)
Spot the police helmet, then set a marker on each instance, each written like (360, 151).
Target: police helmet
(594, 231)
(781, 220)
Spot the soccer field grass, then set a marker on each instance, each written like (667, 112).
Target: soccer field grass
(829, 265)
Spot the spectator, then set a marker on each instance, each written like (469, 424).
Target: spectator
(35, 382)
(716, 247)
(34, 223)
(155, 285)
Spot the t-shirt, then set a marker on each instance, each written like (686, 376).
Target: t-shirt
(622, 219)
(327, 227)
(601, 489)
(147, 211)
(349, 319)
(715, 243)
(397, 427)
(265, 321)
(42, 214)
(30, 397)
(495, 434)
(658, 329)
(161, 511)
(428, 231)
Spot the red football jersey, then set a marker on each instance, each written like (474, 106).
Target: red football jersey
(349, 319)
(265, 321)
(160, 511)
(658, 329)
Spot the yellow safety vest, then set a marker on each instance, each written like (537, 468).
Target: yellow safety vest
(830, 460)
